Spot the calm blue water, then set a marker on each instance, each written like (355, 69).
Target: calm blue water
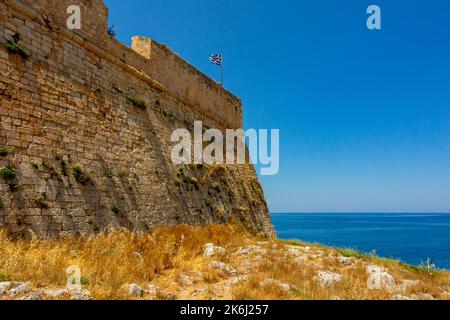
(411, 238)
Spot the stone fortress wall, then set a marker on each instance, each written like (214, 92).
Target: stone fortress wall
(84, 156)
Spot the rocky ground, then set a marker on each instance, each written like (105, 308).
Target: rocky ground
(245, 273)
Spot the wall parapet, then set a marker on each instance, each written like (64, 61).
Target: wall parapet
(157, 64)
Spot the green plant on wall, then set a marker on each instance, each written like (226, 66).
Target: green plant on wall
(80, 175)
(122, 172)
(4, 151)
(115, 209)
(137, 102)
(16, 49)
(8, 174)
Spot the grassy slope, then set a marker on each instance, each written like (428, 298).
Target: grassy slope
(110, 261)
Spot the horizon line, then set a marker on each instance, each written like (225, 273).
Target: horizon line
(361, 212)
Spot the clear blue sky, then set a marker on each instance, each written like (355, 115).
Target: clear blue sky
(364, 115)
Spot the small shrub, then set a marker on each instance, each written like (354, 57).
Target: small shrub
(115, 209)
(16, 49)
(122, 172)
(4, 151)
(137, 102)
(84, 281)
(7, 173)
(80, 175)
(4, 277)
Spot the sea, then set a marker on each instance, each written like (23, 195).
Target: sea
(409, 237)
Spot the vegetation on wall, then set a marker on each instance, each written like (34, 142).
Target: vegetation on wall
(16, 49)
(115, 209)
(4, 151)
(80, 175)
(8, 174)
(185, 178)
(137, 102)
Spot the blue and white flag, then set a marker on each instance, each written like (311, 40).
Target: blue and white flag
(216, 59)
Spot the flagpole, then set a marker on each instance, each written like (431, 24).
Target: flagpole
(221, 74)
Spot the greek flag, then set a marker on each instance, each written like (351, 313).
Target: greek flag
(216, 59)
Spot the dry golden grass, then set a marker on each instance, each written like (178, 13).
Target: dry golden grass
(302, 277)
(111, 260)
(108, 261)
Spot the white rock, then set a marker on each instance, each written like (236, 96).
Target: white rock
(374, 269)
(56, 293)
(211, 250)
(328, 279)
(222, 267)
(135, 290)
(277, 283)
(7, 285)
(238, 280)
(379, 279)
(34, 296)
(20, 289)
(81, 295)
(251, 250)
(406, 284)
(244, 251)
(186, 280)
(292, 251)
(423, 296)
(346, 261)
(152, 289)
